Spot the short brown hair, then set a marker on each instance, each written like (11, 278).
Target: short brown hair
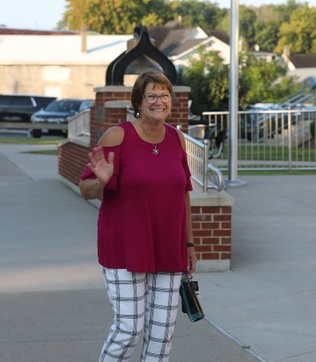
(151, 76)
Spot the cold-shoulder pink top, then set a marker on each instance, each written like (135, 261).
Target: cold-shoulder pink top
(142, 217)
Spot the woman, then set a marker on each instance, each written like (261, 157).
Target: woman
(144, 227)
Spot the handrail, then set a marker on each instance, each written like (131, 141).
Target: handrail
(79, 125)
(201, 169)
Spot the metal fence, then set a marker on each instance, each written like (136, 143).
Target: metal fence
(273, 139)
(202, 171)
(79, 125)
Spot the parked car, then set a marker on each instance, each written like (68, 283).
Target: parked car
(59, 111)
(19, 108)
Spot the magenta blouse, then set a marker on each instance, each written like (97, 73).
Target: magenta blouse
(142, 217)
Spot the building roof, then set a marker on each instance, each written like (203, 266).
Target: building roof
(13, 31)
(175, 39)
(220, 35)
(49, 47)
(302, 60)
(55, 49)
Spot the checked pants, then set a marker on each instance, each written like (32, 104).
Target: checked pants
(141, 302)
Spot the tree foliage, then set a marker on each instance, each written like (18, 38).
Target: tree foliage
(284, 11)
(269, 26)
(205, 14)
(247, 29)
(247, 22)
(267, 34)
(116, 16)
(263, 81)
(208, 78)
(300, 32)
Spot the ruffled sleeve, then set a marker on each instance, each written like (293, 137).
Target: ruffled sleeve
(113, 183)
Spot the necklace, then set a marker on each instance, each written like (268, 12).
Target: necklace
(155, 150)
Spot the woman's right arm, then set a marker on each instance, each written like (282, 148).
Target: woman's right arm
(92, 188)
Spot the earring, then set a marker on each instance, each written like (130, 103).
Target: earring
(137, 115)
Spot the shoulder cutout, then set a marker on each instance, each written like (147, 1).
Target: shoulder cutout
(112, 137)
(182, 139)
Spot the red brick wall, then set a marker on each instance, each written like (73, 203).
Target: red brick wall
(212, 232)
(72, 160)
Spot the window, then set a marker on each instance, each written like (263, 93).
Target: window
(22, 101)
(4, 101)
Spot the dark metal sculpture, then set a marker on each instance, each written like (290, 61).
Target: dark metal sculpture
(144, 51)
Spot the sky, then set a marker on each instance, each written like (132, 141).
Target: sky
(45, 14)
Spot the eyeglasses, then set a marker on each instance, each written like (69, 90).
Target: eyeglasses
(153, 98)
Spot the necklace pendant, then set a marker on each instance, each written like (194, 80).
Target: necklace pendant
(155, 151)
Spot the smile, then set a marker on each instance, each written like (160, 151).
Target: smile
(157, 109)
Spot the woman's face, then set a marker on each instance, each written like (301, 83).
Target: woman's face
(156, 103)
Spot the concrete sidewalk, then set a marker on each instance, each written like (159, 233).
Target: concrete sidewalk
(53, 305)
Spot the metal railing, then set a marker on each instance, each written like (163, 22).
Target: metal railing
(202, 171)
(79, 125)
(272, 139)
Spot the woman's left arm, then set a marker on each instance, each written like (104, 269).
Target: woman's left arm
(192, 260)
(191, 250)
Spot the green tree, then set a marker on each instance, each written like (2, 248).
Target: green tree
(300, 32)
(116, 16)
(267, 34)
(259, 81)
(207, 76)
(269, 20)
(284, 11)
(248, 20)
(263, 81)
(205, 14)
(247, 25)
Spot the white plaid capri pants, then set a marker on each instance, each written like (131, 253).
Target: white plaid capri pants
(141, 302)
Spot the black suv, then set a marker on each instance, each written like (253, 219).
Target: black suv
(19, 108)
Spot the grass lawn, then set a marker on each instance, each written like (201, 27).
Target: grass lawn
(30, 140)
(34, 141)
(261, 152)
(275, 173)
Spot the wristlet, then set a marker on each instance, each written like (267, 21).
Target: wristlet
(190, 302)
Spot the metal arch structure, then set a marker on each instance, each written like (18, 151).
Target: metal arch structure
(116, 70)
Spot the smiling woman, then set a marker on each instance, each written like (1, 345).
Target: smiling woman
(143, 249)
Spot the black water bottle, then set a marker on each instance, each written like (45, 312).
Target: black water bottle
(190, 300)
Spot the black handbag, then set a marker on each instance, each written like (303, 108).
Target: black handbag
(190, 302)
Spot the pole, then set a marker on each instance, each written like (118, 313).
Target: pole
(233, 97)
